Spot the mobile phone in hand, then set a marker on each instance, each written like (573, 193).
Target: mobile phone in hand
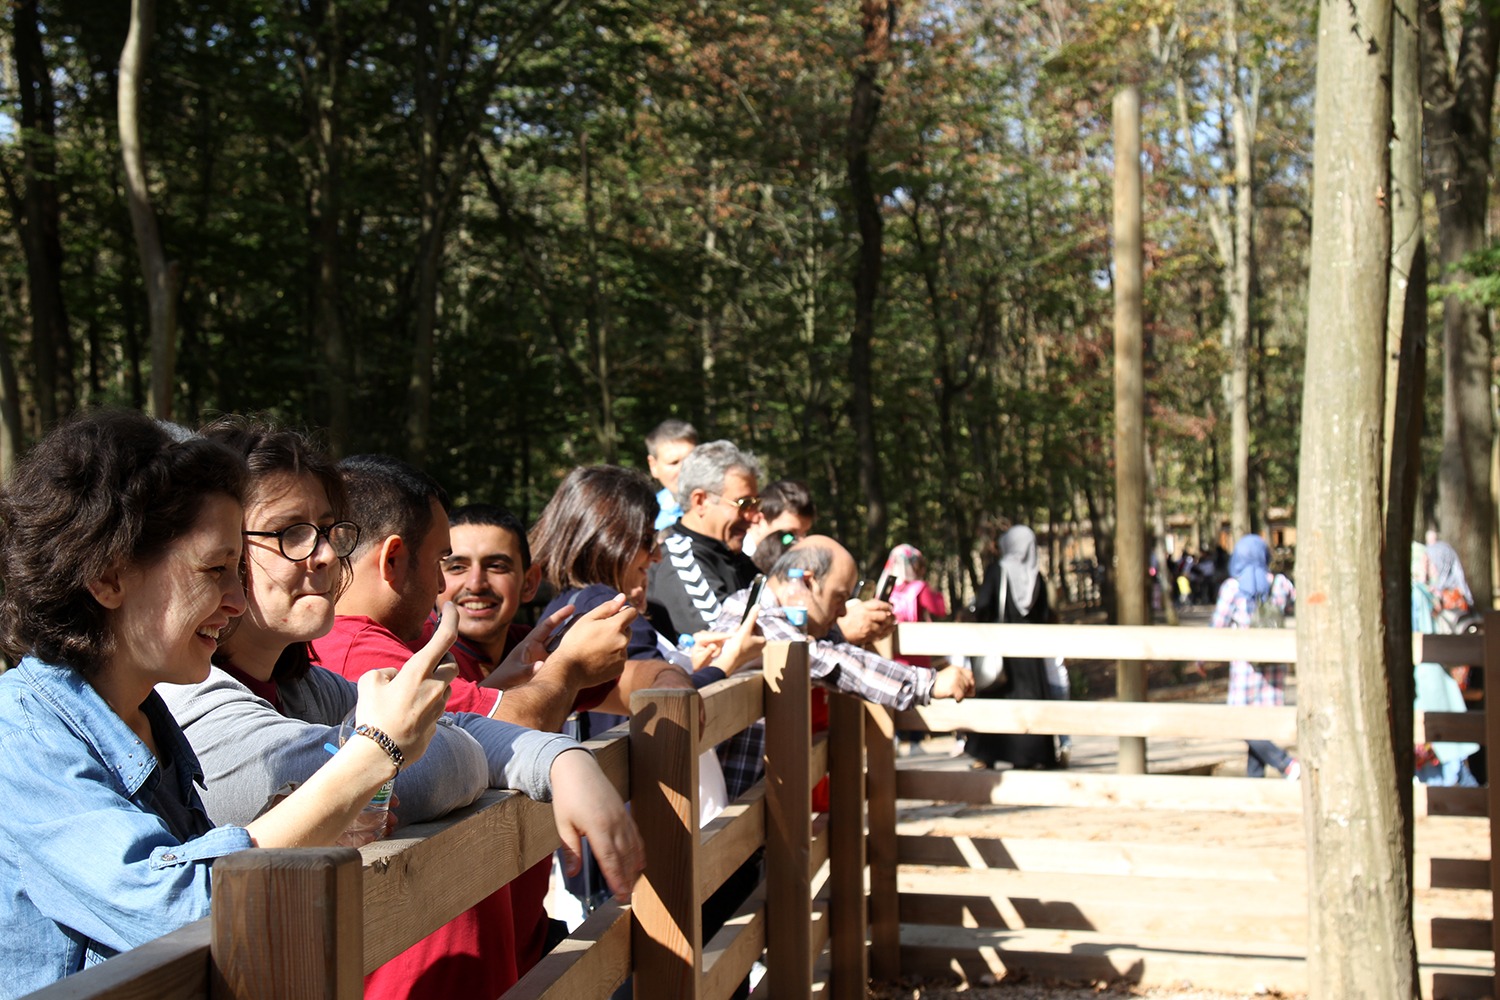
(752, 600)
(556, 638)
(886, 587)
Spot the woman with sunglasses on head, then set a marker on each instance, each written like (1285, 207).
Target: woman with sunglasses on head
(264, 717)
(119, 556)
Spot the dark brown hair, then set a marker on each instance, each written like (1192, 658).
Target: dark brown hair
(271, 450)
(103, 491)
(595, 524)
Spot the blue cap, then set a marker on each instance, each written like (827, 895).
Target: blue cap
(685, 641)
(794, 574)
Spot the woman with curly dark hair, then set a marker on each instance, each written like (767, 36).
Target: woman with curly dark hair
(119, 556)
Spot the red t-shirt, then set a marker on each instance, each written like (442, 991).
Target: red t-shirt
(474, 954)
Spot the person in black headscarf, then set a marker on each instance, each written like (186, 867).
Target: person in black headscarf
(1014, 591)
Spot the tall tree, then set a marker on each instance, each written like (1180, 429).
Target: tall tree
(1360, 935)
(35, 206)
(160, 276)
(878, 21)
(1458, 90)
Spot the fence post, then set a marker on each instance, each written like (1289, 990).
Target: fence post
(848, 910)
(788, 821)
(885, 911)
(288, 922)
(1492, 767)
(667, 934)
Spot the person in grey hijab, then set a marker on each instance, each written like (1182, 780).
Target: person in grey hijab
(1013, 591)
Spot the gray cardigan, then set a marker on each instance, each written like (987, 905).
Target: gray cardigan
(249, 751)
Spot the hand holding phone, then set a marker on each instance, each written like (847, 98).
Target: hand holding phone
(887, 586)
(752, 600)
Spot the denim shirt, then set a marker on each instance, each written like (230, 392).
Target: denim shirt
(86, 868)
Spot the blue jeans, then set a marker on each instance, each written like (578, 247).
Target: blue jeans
(1452, 775)
(1263, 752)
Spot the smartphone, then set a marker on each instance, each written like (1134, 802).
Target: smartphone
(752, 601)
(556, 638)
(886, 588)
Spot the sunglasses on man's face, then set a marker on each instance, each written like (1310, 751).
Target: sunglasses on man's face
(745, 505)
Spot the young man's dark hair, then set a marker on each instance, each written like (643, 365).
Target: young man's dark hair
(388, 497)
(787, 495)
(670, 430)
(495, 517)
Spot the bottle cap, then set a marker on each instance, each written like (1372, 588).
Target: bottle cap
(794, 574)
(685, 641)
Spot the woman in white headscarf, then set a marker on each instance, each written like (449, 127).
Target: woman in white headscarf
(1014, 591)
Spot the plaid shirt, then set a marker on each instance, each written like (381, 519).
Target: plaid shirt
(1252, 683)
(836, 665)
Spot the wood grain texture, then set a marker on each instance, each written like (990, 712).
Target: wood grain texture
(1105, 718)
(1073, 857)
(1099, 642)
(1450, 727)
(788, 820)
(729, 840)
(173, 967)
(590, 962)
(1134, 791)
(429, 873)
(667, 939)
(1432, 800)
(817, 759)
(848, 908)
(731, 704)
(880, 793)
(1492, 793)
(728, 957)
(287, 923)
(1448, 650)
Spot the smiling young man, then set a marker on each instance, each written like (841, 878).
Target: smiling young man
(666, 448)
(702, 562)
(488, 576)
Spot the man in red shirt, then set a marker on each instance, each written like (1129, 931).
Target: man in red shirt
(404, 537)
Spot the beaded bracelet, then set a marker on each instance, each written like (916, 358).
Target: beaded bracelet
(385, 743)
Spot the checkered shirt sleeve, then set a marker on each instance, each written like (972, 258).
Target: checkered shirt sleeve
(1252, 683)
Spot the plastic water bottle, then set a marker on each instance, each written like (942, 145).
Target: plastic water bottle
(796, 599)
(369, 825)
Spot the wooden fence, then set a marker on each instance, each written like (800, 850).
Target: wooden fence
(1231, 917)
(310, 923)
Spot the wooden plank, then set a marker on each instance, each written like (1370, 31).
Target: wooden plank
(817, 759)
(287, 922)
(788, 821)
(1099, 642)
(1091, 956)
(429, 873)
(729, 840)
(1127, 791)
(1492, 793)
(590, 962)
(1431, 800)
(175, 966)
(667, 939)
(731, 704)
(728, 957)
(1074, 857)
(1459, 873)
(817, 848)
(612, 752)
(880, 792)
(1449, 727)
(1463, 933)
(1448, 650)
(1105, 718)
(1460, 986)
(848, 909)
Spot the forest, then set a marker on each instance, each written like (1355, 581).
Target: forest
(868, 240)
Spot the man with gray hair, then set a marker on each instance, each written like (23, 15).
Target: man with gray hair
(702, 562)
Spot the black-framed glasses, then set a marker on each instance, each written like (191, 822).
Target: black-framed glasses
(746, 505)
(298, 541)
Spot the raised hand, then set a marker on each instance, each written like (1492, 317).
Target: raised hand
(405, 704)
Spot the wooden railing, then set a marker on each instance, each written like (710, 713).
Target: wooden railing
(310, 923)
(1231, 917)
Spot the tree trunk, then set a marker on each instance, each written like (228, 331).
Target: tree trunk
(38, 217)
(1130, 410)
(1459, 96)
(160, 277)
(596, 314)
(1405, 390)
(1244, 112)
(879, 19)
(321, 70)
(1360, 939)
